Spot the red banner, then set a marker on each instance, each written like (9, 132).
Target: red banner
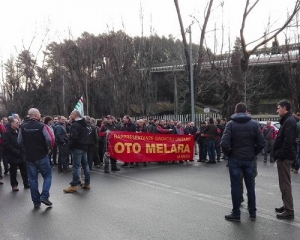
(149, 147)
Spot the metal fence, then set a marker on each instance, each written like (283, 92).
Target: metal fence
(202, 117)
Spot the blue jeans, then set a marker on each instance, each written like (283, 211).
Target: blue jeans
(211, 150)
(235, 168)
(42, 166)
(80, 159)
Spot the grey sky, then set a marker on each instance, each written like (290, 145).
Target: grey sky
(21, 20)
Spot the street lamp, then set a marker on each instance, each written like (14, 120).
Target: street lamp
(189, 30)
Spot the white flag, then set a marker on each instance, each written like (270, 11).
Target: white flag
(79, 106)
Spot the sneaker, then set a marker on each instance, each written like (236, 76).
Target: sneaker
(15, 188)
(46, 202)
(286, 215)
(70, 189)
(87, 187)
(279, 210)
(232, 218)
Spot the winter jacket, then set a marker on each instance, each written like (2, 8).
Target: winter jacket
(37, 139)
(2, 130)
(242, 138)
(201, 136)
(128, 127)
(285, 146)
(211, 131)
(269, 132)
(93, 137)
(13, 151)
(79, 135)
(298, 131)
(60, 133)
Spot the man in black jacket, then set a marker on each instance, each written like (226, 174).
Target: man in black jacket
(242, 141)
(79, 145)
(109, 125)
(62, 142)
(285, 152)
(15, 155)
(92, 144)
(38, 141)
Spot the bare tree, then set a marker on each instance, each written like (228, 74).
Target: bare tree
(267, 36)
(201, 51)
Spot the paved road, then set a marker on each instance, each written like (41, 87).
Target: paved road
(186, 201)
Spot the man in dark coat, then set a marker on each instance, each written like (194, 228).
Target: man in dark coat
(242, 141)
(92, 144)
(38, 141)
(79, 145)
(62, 143)
(284, 153)
(15, 154)
(128, 126)
(109, 125)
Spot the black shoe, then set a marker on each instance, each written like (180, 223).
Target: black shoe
(211, 162)
(131, 165)
(106, 171)
(115, 169)
(37, 205)
(26, 186)
(232, 218)
(279, 210)
(199, 160)
(253, 217)
(46, 202)
(6, 171)
(285, 215)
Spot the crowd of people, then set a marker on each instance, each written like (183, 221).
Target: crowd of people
(36, 144)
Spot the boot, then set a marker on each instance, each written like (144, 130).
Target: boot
(70, 189)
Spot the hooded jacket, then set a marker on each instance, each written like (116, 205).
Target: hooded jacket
(79, 134)
(285, 144)
(242, 138)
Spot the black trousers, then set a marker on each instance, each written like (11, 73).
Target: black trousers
(92, 156)
(13, 174)
(101, 150)
(53, 153)
(63, 157)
